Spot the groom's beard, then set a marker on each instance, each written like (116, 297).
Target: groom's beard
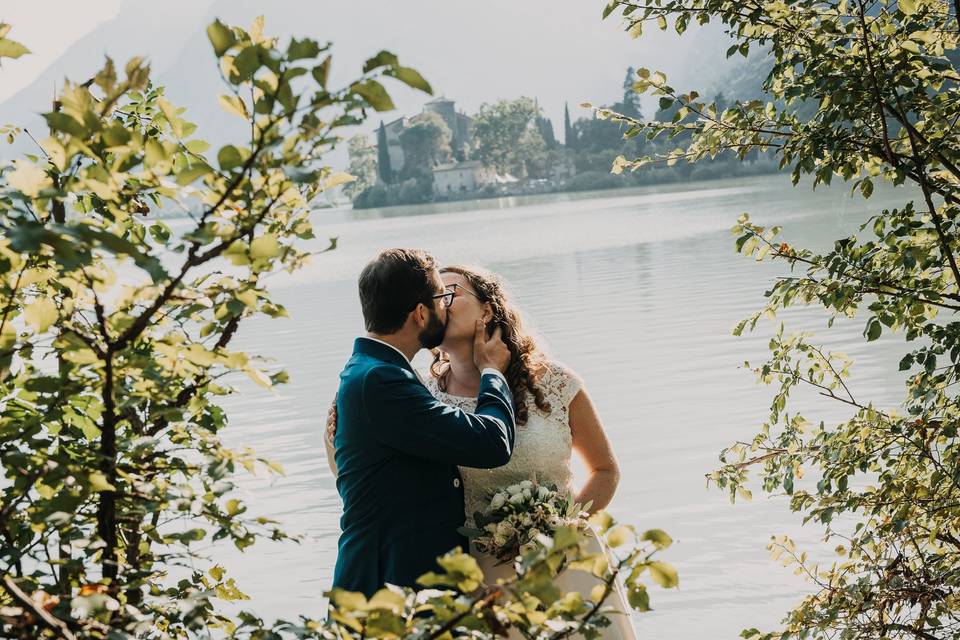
(432, 334)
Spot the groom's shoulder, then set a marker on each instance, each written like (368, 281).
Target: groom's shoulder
(367, 370)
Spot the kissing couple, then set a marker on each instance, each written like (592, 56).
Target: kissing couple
(415, 455)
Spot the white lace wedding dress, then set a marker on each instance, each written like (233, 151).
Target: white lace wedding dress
(541, 452)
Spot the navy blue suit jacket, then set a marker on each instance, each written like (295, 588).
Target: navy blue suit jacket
(397, 451)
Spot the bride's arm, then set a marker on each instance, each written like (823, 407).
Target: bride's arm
(328, 434)
(591, 444)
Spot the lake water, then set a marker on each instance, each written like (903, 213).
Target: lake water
(638, 292)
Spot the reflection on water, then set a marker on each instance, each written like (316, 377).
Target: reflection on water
(637, 291)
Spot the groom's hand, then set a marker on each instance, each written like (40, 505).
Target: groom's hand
(490, 352)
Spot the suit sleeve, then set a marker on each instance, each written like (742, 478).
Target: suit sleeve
(408, 418)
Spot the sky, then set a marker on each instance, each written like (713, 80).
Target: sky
(47, 29)
(557, 51)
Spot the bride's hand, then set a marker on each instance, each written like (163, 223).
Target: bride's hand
(332, 421)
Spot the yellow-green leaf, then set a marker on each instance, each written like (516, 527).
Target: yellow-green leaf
(658, 537)
(337, 179)
(41, 314)
(664, 574)
(619, 536)
(170, 113)
(266, 246)
(12, 49)
(98, 482)
(28, 178)
(233, 104)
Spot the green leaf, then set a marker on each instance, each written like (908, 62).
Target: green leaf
(638, 597)
(300, 49)
(873, 329)
(382, 59)
(607, 10)
(658, 537)
(116, 135)
(412, 78)
(229, 158)
(375, 95)
(908, 7)
(663, 574)
(322, 71)
(192, 172)
(62, 122)
(246, 63)
(160, 232)
(221, 37)
(154, 153)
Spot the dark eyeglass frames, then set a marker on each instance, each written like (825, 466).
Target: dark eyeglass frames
(446, 298)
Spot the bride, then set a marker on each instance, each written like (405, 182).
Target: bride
(554, 414)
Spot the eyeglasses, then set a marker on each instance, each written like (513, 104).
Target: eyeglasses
(446, 298)
(455, 287)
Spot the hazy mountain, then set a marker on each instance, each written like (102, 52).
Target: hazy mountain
(553, 50)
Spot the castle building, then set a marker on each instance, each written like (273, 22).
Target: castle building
(457, 121)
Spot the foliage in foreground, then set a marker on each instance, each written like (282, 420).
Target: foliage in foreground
(115, 339)
(868, 91)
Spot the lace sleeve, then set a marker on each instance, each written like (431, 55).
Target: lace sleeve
(561, 384)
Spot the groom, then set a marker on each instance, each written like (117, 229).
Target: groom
(398, 447)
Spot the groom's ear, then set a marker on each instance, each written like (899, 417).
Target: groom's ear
(420, 314)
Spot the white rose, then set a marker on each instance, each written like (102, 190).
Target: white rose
(526, 484)
(498, 501)
(526, 520)
(527, 494)
(513, 489)
(543, 492)
(517, 498)
(533, 533)
(499, 540)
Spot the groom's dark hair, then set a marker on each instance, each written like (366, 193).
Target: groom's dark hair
(392, 284)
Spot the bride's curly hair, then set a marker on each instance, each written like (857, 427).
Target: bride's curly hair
(526, 357)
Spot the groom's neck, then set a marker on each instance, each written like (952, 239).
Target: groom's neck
(407, 345)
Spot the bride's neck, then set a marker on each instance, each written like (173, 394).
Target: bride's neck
(463, 377)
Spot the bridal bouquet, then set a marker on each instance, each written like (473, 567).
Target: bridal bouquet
(518, 514)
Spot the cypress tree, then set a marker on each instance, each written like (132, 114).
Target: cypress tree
(383, 156)
(569, 138)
